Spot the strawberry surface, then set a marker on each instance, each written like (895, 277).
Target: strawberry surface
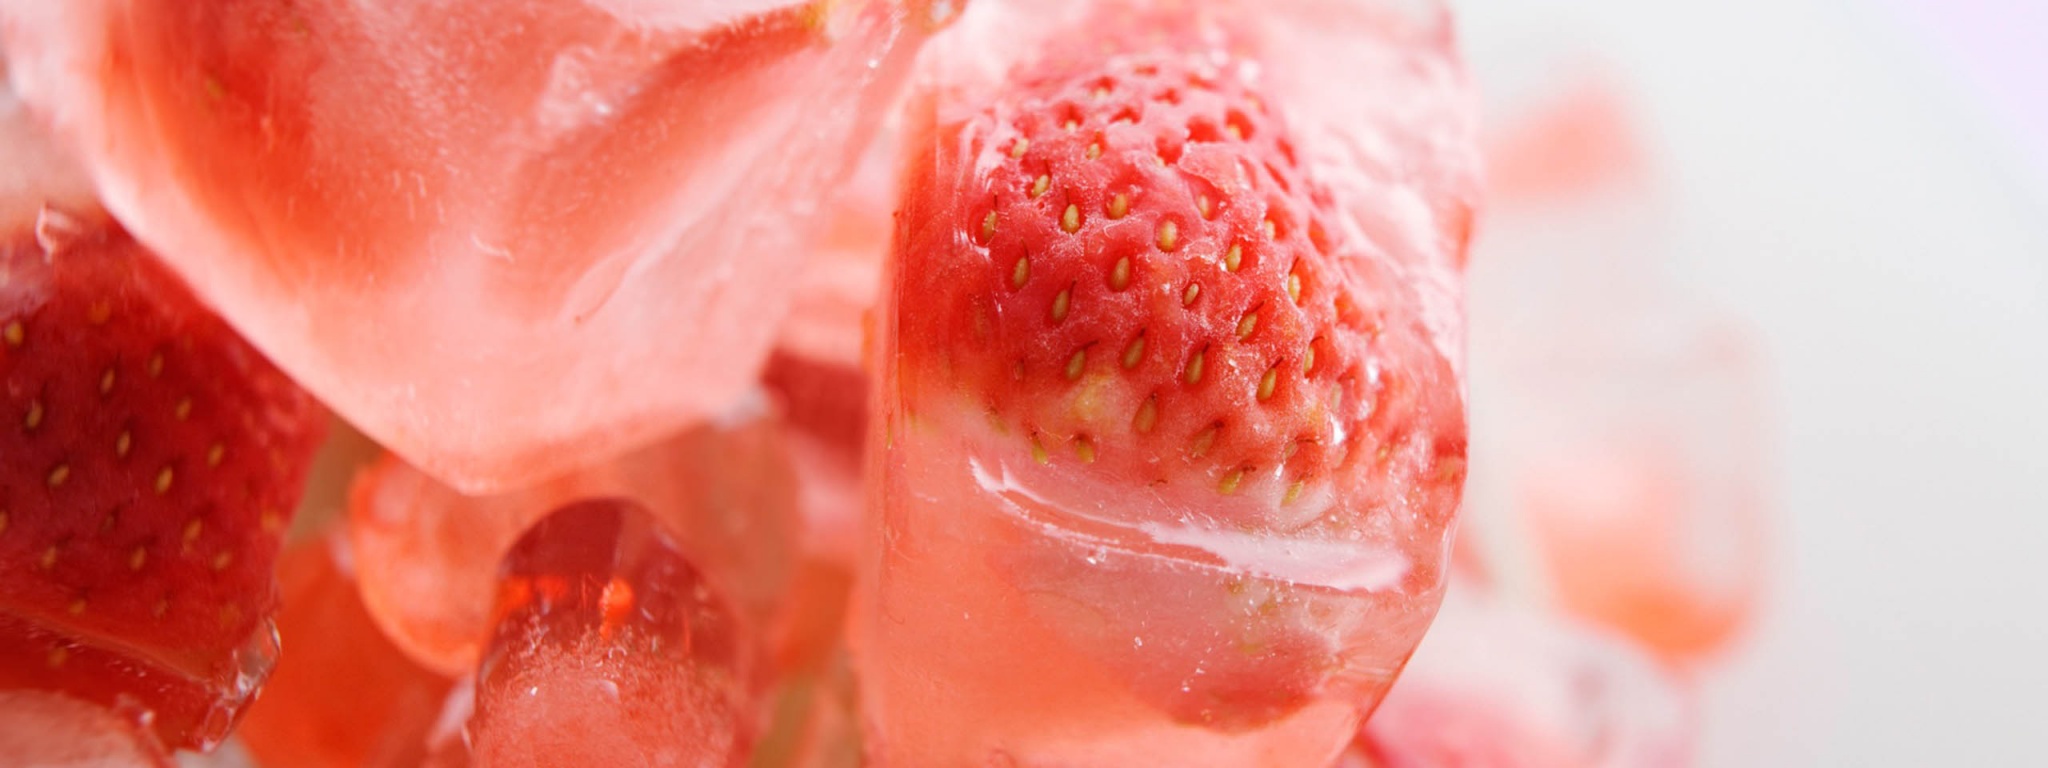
(1128, 265)
(153, 462)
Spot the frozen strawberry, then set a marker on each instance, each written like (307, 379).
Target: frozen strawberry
(610, 648)
(342, 695)
(51, 730)
(153, 462)
(1172, 433)
(583, 215)
(427, 556)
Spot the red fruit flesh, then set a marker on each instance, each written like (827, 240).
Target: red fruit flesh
(153, 462)
(1129, 266)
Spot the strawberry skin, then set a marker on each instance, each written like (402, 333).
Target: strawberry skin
(153, 461)
(1131, 267)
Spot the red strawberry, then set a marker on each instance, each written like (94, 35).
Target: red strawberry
(1126, 268)
(153, 460)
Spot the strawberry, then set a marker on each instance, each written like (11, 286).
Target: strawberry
(153, 460)
(1124, 273)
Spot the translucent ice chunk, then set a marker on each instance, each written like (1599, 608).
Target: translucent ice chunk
(427, 556)
(504, 240)
(50, 730)
(609, 649)
(342, 694)
(1503, 688)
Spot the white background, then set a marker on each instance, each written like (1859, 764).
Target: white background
(1835, 187)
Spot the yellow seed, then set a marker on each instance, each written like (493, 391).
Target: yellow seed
(99, 312)
(184, 410)
(3, 521)
(163, 605)
(1187, 297)
(221, 561)
(1194, 375)
(988, 225)
(1268, 382)
(1038, 453)
(272, 522)
(1119, 205)
(1169, 235)
(192, 529)
(122, 443)
(1202, 202)
(1039, 186)
(1293, 492)
(1294, 287)
(1235, 133)
(49, 559)
(1070, 125)
(1076, 363)
(156, 365)
(163, 480)
(1020, 272)
(1084, 449)
(1018, 149)
(1233, 258)
(137, 558)
(1230, 481)
(58, 656)
(1148, 415)
(107, 381)
(214, 454)
(1267, 227)
(1204, 440)
(76, 607)
(1059, 304)
(1094, 150)
(14, 333)
(1308, 359)
(1101, 93)
(1071, 220)
(1247, 324)
(1120, 275)
(1135, 352)
(58, 475)
(35, 415)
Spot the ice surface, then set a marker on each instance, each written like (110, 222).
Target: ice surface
(609, 649)
(49, 730)
(427, 556)
(1499, 687)
(504, 240)
(342, 695)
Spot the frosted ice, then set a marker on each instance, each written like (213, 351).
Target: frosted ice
(503, 239)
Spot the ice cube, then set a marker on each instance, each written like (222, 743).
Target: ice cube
(51, 730)
(504, 240)
(1502, 687)
(342, 695)
(609, 649)
(427, 556)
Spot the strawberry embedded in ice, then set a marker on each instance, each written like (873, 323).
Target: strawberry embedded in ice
(1172, 423)
(503, 240)
(427, 556)
(609, 649)
(153, 461)
(342, 694)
